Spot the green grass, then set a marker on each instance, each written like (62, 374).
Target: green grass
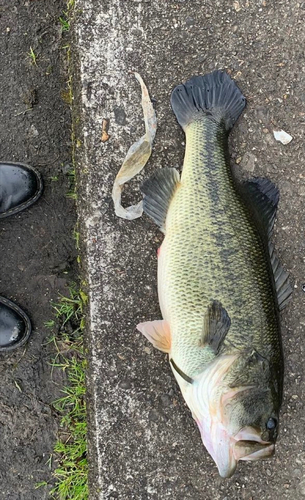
(71, 308)
(50, 324)
(65, 22)
(76, 236)
(70, 450)
(32, 56)
(66, 16)
(71, 195)
(72, 191)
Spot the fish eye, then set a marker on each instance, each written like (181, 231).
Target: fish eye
(271, 424)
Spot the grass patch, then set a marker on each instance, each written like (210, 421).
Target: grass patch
(71, 448)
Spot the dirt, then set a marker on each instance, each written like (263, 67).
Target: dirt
(36, 246)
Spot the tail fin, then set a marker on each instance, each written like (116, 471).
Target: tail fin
(214, 95)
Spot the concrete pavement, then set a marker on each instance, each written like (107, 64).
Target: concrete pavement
(143, 441)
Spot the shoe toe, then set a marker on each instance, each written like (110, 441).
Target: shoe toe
(15, 326)
(20, 187)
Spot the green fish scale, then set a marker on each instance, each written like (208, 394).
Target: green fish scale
(213, 251)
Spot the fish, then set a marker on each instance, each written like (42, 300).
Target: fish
(221, 286)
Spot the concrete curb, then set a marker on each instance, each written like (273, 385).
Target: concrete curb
(143, 442)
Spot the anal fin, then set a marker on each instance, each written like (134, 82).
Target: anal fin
(281, 280)
(263, 196)
(158, 333)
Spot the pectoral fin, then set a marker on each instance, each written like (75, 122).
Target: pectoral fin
(216, 326)
(158, 333)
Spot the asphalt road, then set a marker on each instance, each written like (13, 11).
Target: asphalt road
(143, 441)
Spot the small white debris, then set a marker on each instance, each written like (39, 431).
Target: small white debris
(282, 136)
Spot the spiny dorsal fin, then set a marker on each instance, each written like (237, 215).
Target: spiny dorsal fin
(216, 326)
(281, 279)
(158, 191)
(264, 197)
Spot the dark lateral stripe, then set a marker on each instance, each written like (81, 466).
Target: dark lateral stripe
(188, 379)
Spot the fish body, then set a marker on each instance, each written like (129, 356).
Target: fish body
(220, 284)
(213, 250)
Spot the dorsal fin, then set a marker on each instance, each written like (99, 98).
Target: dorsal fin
(158, 191)
(264, 197)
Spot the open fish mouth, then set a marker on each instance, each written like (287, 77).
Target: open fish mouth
(251, 450)
(246, 445)
(245, 450)
(227, 450)
(250, 446)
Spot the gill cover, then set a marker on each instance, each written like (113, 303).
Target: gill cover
(203, 397)
(207, 398)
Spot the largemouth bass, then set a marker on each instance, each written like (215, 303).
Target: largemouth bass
(220, 284)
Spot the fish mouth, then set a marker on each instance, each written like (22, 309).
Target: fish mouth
(250, 446)
(223, 441)
(252, 450)
(247, 444)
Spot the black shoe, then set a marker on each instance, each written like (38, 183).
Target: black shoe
(20, 186)
(15, 326)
